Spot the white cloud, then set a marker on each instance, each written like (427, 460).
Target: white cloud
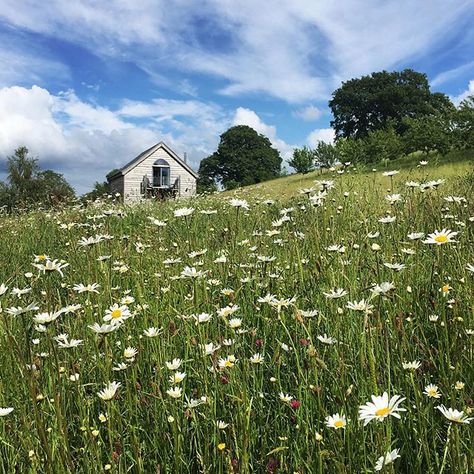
(450, 74)
(320, 134)
(85, 141)
(464, 95)
(309, 113)
(296, 51)
(248, 117)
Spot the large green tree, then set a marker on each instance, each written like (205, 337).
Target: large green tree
(371, 102)
(243, 157)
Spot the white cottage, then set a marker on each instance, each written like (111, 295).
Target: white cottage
(155, 173)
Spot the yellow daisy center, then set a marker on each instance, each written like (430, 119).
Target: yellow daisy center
(441, 239)
(228, 363)
(41, 257)
(116, 313)
(338, 424)
(432, 392)
(445, 288)
(383, 411)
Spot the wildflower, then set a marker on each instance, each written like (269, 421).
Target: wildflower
(5, 411)
(390, 173)
(432, 391)
(210, 348)
(416, 364)
(104, 328)
(454, 415)
(380, 408)
(327, 340)
(109, 391)
(416, 235)
(152, 332)
(228, 362)
(191, 272)
(91, 288)
(256, 359)
(45, 318)
(130, 352)
(51, 266)
(336, 421)
(459, 385)
(177, 377)
(395, 266)
(444, 236)
(239, 203)
(383, 288)
(388, 458)
(202, 318)
(235, 323)
(183, 212)
(117, 314)
(393, 198)
(175, 364)
(285, 398)
(361, 305)
(3, 289)
(387, 219)
(65, 343)
(221, 446)
(221, 425)
(175, 392)
(335, 293)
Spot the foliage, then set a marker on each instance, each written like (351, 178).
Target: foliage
(325, 155)
(382, 145)
(427, 134)
(302, 160)
(351, 150)
(243, 157)
(371, 102)
(28, 185)
(100, 189)
(463, 133)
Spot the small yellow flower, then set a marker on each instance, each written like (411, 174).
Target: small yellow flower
(221, 446)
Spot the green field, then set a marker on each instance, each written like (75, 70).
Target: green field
(287, 317)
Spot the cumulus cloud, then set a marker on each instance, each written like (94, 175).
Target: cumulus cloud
(464, 95)
(320, 134)
(248, 117)
(85, 141)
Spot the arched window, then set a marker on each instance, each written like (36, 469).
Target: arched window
(161, 174)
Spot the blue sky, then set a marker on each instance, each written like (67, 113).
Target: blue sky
(88, 85)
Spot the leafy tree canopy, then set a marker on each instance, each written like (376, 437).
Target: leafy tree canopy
(243, 157)
(302, 160)
(370, 102)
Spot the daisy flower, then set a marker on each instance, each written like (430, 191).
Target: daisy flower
(388, 458)
(336, 421)
(380, 408)
(454, 415)
(444, 236)
(109, 391)
(432, 391)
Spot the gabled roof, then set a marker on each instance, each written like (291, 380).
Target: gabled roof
(145, 154)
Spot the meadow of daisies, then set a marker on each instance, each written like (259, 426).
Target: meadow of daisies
(330, 331)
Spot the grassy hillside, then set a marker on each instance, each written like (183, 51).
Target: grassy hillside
(223, 336)
(455, 164)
